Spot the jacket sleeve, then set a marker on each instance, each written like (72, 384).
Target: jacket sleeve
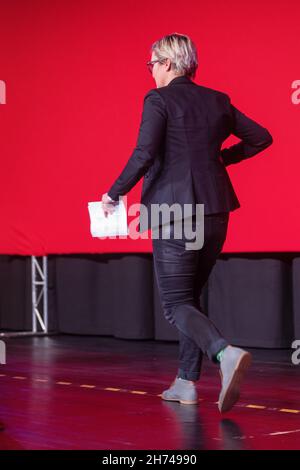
(254, 138)
(151, 134)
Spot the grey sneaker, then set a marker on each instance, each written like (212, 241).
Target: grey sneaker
(234, 363)
(181, 390)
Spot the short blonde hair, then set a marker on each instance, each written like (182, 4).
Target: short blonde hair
(181, 51)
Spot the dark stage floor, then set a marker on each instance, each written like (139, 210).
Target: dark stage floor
(70, 392)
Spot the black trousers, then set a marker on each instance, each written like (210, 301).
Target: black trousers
(181, 275)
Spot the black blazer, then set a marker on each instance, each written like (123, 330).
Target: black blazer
(179, 152)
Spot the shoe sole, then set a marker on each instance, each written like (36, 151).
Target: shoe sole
(232, 393)
(184, 402)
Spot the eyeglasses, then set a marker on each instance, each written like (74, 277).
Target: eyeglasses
(151, 63)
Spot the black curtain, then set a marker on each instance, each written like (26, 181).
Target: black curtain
(253, 298)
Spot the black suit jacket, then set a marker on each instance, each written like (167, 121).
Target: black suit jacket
(178, 149)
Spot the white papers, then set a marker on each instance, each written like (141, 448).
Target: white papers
(112, 225)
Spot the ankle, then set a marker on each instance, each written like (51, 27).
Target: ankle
(219, 355)
(186, 380)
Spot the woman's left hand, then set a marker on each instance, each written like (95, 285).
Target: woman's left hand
(108, 204)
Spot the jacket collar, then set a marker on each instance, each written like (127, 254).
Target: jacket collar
(180, 79)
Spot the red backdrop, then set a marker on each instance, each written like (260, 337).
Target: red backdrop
(75, 78)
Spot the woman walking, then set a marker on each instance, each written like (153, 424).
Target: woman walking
(179, 152)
